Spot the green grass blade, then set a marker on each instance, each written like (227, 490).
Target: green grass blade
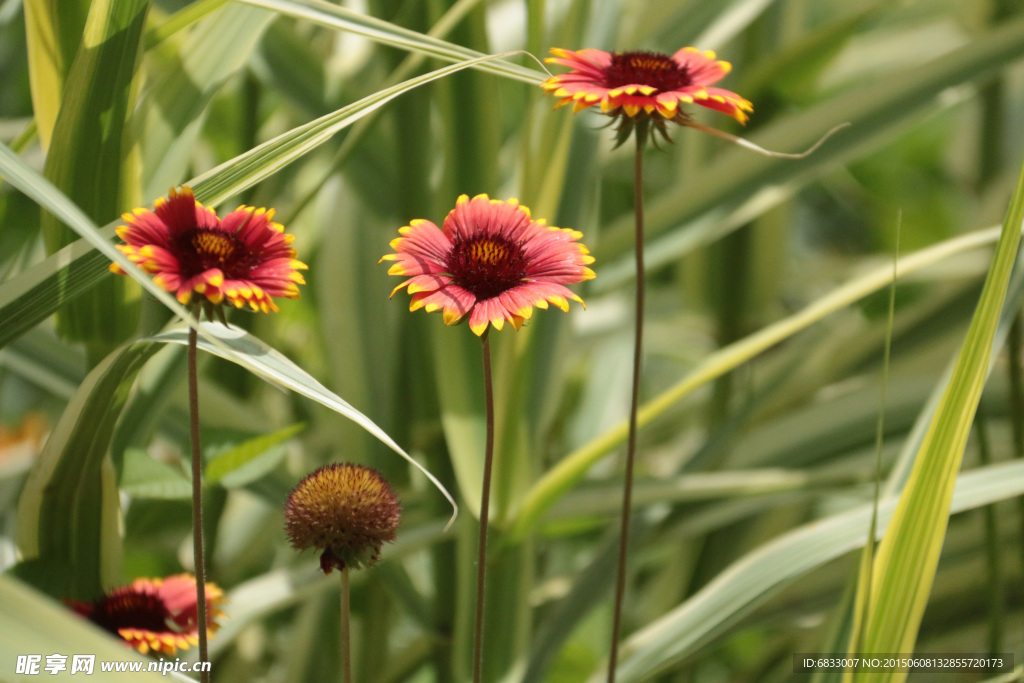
(900, 472)
(33, 296)
(333, 16)
(879, 109)
(745, 584)
(40, 190)
(246, 462)
(33, 624)
(458, 363)
(178, 100)
(281, 370)
(183, 18)
(143, 476)
(909, 553)
(263, 594)
(90, 161)
(729, 22)
(39, 291)
(590, 589)
(842, 621)
(575, 465)
(238, 346)
(69, 508)
(868, 554)
(53, 31)
(247, 169)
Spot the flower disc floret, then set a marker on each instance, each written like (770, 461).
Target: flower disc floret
(644, 86)
(491, 261)
(347, 511)
(245, 259)
(155, 615)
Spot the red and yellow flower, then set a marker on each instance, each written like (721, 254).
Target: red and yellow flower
(644, 86)
(155, 615)
(246, 258)
(491, 261)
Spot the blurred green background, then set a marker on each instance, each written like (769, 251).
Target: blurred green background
(758, 455)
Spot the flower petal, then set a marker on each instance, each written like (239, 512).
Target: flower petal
(702, 67)
(247, 257)
(494, 263)
(635, 85)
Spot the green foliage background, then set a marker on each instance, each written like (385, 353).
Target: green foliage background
(768, 282)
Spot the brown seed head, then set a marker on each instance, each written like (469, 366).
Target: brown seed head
(347, 511)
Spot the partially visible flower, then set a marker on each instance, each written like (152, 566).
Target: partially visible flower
(641, 87)
(245, 258)
(158, 615)
(347, 511)
(491, 260)
(25, 439)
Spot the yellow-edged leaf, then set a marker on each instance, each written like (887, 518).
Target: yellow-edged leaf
(89, 149)
(904, 567)
(53, 31)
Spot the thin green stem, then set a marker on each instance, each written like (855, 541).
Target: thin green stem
(346, 629)
(868, 558)
(197, 503)
(485, 506)
(627, 488)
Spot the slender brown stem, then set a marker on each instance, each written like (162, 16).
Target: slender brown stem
(638, 340)
(485, 506)
(346, 629)
(197, 503)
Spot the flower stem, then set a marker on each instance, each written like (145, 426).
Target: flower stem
(346, 629)
(197, 503)
(485, 505)
(627, 488)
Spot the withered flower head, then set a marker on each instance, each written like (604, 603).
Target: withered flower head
(347, 511)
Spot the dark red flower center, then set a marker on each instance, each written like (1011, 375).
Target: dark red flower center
(645, 68)
(128, 608)
(200, 249)
(487, 266)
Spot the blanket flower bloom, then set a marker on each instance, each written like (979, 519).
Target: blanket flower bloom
(644, 87)
(245, 258)
(155, 615)
(347, 511)
(490, 260)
